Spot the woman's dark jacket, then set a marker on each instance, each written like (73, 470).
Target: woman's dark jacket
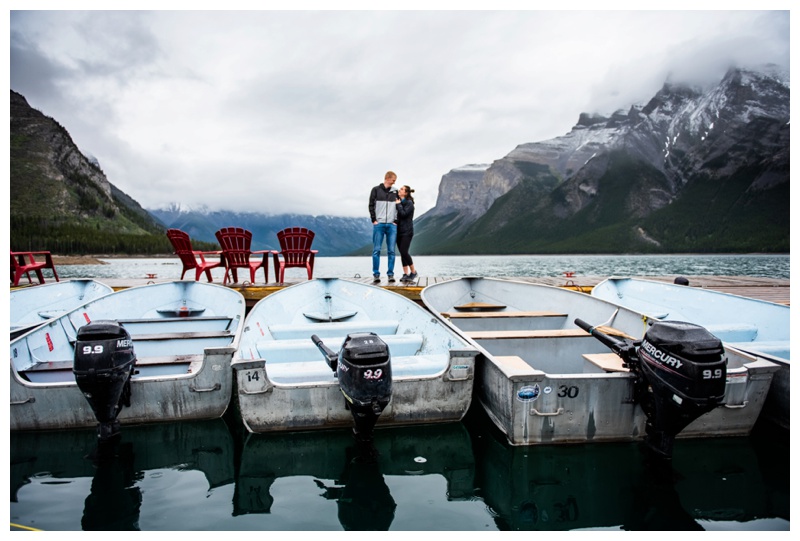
(405, 217)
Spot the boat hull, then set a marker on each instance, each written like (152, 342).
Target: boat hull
(754, 326)
(270, 407)
(182, 369)
(535, 378)
(284, 383)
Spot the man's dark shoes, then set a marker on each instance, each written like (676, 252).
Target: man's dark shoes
(391, 277)
(376, 278)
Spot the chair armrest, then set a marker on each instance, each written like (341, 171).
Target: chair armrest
(32, 260)
(265, 252)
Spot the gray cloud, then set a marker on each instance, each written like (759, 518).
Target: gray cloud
(303, 111)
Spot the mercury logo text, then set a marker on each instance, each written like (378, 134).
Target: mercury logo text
(660, 356)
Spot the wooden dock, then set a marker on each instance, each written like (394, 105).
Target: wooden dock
(769, 289)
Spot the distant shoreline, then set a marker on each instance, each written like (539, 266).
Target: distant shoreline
(95, 259)
(76, 260)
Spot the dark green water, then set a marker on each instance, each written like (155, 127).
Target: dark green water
(461, 476)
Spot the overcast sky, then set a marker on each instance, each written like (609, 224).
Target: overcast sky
(304, 111)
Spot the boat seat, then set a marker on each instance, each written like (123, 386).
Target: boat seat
(51, 365)
(330, 329)
(310, 372)
(607, 362)
(61, 371)
(299, 350)
(180, 336)
(140, 361)
(168, 359)
(479, 306)
(506, 320)
(163, 319)
(167, 365)
(177, 324)
(733, 332)
(546, 333)
(514, 367)
(503, 314)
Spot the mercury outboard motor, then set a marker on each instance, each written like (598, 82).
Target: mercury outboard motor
(680, 373)
(363, 367)
(103, 367)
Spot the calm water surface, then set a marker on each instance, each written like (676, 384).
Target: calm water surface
(456, 477)
(771, 266)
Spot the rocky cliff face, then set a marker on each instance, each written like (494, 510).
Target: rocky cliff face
(463, 190)
(649, 157)
(47, 148)
(60, 199)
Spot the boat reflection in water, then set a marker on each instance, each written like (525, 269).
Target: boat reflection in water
(213, 475)
(354, 473)
(712, 483)
(49, 463)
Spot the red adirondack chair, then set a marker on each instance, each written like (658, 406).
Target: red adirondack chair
(235, 243)
(25, 263)
(193, 259)
(295, 251)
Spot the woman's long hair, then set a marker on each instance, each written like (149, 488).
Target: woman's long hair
(409, 191)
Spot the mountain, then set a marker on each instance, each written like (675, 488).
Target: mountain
(335, 236)
(693, 170)
(61, 201)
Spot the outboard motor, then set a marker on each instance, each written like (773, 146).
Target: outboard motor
(680, 373)
(103, 367)
(363, 367)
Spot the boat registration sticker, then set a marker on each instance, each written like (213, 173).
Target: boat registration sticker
(529, 393)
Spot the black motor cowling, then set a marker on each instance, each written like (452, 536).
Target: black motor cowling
(364, 370)
(686, 369)
(680, 373)
(103, 366)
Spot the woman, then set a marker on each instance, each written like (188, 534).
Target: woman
(405, 232)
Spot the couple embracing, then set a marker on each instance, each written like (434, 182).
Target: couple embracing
(392, 214)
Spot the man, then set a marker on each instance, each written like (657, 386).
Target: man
(383, 211)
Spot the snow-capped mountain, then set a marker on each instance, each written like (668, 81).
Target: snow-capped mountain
(714, 160)
(335, 236)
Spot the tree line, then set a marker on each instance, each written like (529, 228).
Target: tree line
(39, 234)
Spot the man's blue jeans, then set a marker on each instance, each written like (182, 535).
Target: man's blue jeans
(379, 232)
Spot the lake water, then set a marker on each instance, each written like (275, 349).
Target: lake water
(213, 476)
(768, 265)
(454, 477)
